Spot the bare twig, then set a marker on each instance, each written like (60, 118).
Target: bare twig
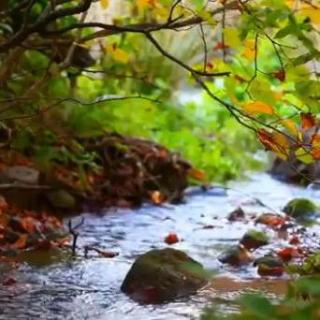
(75, 234)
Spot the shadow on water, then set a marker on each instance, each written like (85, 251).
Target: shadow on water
(67, 288)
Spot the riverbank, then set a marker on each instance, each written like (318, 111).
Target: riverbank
(62, 287)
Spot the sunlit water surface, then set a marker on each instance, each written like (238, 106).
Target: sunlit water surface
(90, 288)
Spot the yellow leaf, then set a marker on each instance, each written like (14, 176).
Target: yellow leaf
(258, 107)
(312, 13)
(118, 54)
(231, 37)
(104, 4)
(292, 128)
(121, 56)
(143, 4)
(249, 49)
(304, 156)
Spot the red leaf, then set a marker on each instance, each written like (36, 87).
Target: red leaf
(171, 238)
(294, 240)
(281, 75)
(9, 281)
(220, 46)
(289, 253)
(307, 120)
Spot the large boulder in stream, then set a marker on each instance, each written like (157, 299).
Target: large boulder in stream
(163, 275)
(300, 208)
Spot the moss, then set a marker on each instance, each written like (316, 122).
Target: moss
(162, 275)
(300, 208)
(254, 239)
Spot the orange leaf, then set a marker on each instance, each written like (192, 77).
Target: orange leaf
(21, 242)
(271, 220)
(157, 197)
(307, 120)
(29, 224)
(220, 46)
(197, 174)
(277, 142)
(258, 107)
(280, 75)
(315, 153)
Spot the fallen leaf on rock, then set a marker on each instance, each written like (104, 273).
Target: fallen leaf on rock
(171, 238)
(271, 220)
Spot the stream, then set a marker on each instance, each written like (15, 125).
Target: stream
(81, 288)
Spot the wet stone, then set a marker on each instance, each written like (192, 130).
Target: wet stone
(254, 239)
(163, 275)
(300, 208)
(236, 256)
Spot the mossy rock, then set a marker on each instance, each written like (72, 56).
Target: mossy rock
(254, 239)
(61, 199)
(300, 208)
(269, 266)
(163, 275)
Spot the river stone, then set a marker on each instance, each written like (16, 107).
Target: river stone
(236, 256)
(254, 239)
(300, 208)
(61, 199)
(20, 174)
(162, 275)
(269, 266)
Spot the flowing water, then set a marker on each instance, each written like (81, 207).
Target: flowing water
(71, 289)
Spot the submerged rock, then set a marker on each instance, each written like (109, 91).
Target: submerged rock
(236, 256)
(300, 208)
(163, 275)
(236, 215)
(254, 239)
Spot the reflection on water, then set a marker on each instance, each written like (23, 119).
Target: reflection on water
(89, 288)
